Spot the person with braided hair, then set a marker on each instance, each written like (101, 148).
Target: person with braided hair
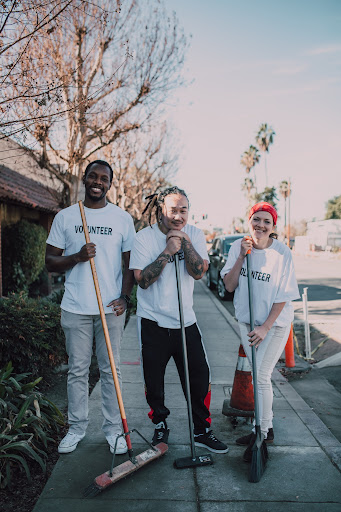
(152, 259)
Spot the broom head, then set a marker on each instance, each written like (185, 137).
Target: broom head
(104, 481)
(190, 462)
(259, 458)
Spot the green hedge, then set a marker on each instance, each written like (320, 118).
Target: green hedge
(30, 335)
(23, 255)
(28, 423)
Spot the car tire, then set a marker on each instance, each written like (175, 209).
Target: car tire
(222, 292)
(209, 283)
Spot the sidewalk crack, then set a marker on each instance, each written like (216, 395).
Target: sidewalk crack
(196, 487)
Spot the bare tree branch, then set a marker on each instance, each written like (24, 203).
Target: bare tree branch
(121, 63)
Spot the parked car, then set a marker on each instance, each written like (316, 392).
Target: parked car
(218, 255)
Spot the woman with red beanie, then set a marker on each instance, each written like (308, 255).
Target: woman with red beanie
(274, 287)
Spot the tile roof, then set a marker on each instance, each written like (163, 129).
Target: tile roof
(18, 189)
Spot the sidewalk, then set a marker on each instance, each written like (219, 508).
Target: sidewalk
(303, 470)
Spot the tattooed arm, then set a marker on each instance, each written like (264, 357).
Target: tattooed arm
(195, 264)
(152, 272)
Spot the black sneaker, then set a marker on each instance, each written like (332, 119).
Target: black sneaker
(245, 440)
(161, 433)
(271, 436)
(209, 441)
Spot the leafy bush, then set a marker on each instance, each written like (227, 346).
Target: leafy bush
(40, 287)
(30, 334)
(23, 255)
(57, 296)
(27, 421)
(131, 310)
(133, 300)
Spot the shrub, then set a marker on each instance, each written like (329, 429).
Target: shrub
(40, 287)
(131, 310)
(23, 255)
(27, 421)
(57, 296)
(30, 334)
(133, 300)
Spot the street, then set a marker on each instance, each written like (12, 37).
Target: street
(322, 275)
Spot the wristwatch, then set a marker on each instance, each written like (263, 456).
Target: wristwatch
(126, 298)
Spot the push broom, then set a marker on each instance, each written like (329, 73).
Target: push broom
(194, 460)
(154, 452)
(259, 449)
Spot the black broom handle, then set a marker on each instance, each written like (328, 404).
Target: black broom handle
(184, 350)
(253, 348)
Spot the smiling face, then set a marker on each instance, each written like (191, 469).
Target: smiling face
(261, 226)
(174, 213)
(97, 183)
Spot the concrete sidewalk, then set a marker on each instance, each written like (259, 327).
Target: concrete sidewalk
(303, 471)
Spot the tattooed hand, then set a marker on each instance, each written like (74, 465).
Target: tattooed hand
(174, 233)
(195, 265)
(173, 245)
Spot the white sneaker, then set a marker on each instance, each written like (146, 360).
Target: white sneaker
(69, 443)
(121, 446)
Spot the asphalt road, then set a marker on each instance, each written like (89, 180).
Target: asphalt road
(322, 276)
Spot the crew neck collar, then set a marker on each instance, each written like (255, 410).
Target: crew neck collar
(95, 209)
(265, 248)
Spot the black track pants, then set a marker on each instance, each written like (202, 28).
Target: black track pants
(158, 346)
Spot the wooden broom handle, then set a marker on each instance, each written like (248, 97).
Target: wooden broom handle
(104, 324)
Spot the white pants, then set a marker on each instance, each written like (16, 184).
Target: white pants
(267, 355)
(80, 331)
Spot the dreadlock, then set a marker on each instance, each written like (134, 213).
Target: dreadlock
(157, 200)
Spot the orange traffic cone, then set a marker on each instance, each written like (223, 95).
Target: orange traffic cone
(241, 402)
(289, 350)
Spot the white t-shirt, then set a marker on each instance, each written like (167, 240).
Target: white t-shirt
(159, 302)
(113, 232)
(273, 280)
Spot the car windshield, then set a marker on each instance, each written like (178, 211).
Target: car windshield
(228, 241)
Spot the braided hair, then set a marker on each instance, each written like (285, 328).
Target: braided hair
(157, 200)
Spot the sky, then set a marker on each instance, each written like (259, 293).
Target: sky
(252, 62)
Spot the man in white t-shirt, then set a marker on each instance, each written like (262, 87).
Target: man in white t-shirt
(152, 259)
(112, 234)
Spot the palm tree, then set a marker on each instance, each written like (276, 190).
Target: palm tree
(268, 195)
(284, 191)
(248, 185)
(264, 138)
(249, 159)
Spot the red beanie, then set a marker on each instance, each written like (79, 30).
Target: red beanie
(264, 207)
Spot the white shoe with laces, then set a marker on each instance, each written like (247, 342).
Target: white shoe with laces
(69, 443)
(121, 446)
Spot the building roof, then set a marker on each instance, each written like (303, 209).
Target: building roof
(18, 189)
